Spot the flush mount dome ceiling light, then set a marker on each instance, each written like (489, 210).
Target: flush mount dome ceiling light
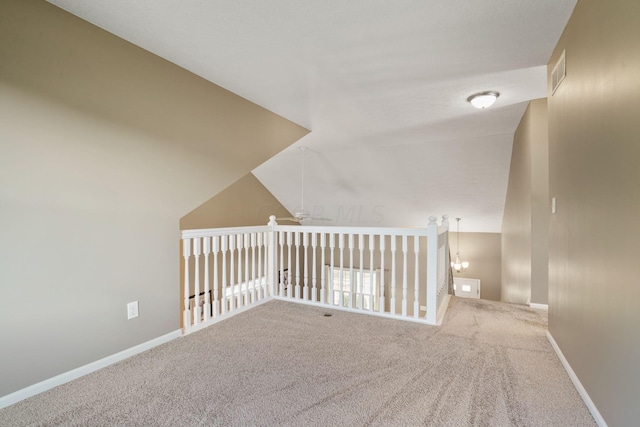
(483, 100)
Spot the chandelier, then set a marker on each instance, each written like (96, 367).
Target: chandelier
(458, 265)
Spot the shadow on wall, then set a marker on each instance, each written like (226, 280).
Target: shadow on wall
(244, 203)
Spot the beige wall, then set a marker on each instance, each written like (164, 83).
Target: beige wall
(526, 215)
(540, 203)
(103, 148)
(482, 251)
(245, 202)
(594, 154)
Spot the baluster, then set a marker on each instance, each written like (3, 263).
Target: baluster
(393, 274)
(224, 301)
(351, 281)
(404, 276)
(446, 261)
(232, 277)
(281, 275)
(314, 255)
(246, 295)
(266, 290)
(262, 273)
(253, 267)
(382, 270)
(216, 249)
(237, 290)
(332, 297)
(186, 253)
(372, 282)
(196, 278)
(432, 272)
(416, 301)
(297, 234)
(360, 283)
(260, 280)
(322, 272)
(289, 265)
(341, 247)
(207, 297)
(441, 264)
(305, 246)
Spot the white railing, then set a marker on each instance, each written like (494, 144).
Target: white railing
(392, 272)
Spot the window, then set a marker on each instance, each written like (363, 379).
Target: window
(360, 291)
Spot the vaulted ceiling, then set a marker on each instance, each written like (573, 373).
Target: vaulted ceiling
(382, 85)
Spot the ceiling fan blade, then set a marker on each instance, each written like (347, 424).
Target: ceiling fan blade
(291, 218)
(320, 219)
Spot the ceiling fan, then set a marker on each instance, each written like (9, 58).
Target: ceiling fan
(301, 215)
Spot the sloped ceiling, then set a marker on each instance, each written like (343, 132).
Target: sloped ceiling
(382, 85)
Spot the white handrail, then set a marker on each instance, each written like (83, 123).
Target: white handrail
(210, 232)
(387, 231)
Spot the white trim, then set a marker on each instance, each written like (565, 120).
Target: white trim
(578, 385)
(73, 374)
(356, 310)
(383, 231)
(212, 321)
(209, 232)
(442, 310)
(539, 306)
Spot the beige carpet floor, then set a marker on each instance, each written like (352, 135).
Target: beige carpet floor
(284, 364)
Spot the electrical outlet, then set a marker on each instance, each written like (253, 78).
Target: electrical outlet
(132, 310)
(423, 308)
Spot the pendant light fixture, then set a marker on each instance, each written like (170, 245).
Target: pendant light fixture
(458, 265)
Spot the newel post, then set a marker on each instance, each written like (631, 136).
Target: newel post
(432, 270)
(446, 261)
(272, 273)
(445, 221)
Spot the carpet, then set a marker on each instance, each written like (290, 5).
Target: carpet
(286, 364)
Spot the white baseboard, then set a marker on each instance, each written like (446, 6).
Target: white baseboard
(539, 306)
(45, 385)
(200, 326)
(576, 382)
(385, 315)
(442, 310)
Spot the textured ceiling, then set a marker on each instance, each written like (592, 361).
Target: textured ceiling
(382, 85)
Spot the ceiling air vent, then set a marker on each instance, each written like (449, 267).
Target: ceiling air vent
(559, 72)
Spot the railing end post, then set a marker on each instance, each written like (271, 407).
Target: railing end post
(433, 221)
(272, 256)
(445, 221)
(186, 319)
